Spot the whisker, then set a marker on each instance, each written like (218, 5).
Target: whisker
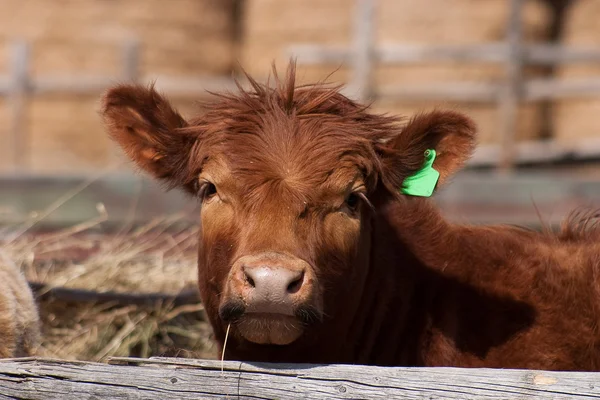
(224, 345)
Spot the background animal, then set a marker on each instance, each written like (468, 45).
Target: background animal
(309, 251)
(19, 321)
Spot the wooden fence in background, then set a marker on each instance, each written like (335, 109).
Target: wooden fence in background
(512, 53)
(18, 85)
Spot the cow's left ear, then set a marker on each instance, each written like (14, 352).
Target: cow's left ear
(430, 148)
(149, 130)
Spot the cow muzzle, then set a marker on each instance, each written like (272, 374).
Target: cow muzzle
(271, 298)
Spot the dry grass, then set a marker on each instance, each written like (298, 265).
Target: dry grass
(97, 331)
(156, 258)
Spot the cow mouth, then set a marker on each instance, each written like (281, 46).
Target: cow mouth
(268, 328)
(263, 328)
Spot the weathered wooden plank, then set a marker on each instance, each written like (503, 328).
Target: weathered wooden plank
(549, 88)
(90, 84)
(493, 52)
(472, 92)
(310, 54)
(192, 379)
(532, 152)
(552, 54)
(413, 53)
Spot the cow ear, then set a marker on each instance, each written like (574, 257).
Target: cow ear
(148, 129)
(430, 149)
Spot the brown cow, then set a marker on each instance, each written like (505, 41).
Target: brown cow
(311, 250)
(19, 320)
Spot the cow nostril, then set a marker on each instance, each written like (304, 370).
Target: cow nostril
(296, 284)
(250, 281)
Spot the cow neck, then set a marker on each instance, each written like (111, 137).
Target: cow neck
(384, 331)
(451, 250)
(421, 230)
(408, 240)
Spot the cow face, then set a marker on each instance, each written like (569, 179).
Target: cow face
(284, 176)
(275, 234)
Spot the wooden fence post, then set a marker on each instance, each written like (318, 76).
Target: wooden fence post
(510, 95)
(362, 55)
(131, 61)
(130, 72)
(19, 86)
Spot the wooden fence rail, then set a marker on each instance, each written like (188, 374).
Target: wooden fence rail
(490, 53)
(161, 378)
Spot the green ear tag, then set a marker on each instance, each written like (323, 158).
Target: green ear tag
(423, 182)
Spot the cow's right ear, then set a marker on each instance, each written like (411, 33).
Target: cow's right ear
(432, 147)
(147, 128)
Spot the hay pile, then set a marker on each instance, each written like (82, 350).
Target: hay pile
(103, 295)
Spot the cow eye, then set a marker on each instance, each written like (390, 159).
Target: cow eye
(208, 191)
(352, 201)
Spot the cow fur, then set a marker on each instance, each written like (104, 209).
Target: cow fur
(19, 321)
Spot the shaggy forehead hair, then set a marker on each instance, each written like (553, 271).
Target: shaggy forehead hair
(301, 134)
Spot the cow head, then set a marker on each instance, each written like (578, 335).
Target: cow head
(286, 177)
